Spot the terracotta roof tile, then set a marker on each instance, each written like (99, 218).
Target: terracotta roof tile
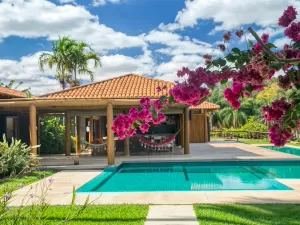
(10, 93)
(128, 86)
(205, 105)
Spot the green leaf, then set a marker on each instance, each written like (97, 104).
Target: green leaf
(224, 81)
(292, 75)
(298, 74)
(277, 66)
(236, 51)
(249, 88)
(222, 62)
(250, 43)
(171, 100)
(293, 123)
(153, 112)
(163, 98)
(270, 45)
(231, 58)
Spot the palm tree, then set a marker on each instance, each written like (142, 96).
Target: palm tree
(60, 58)
(10, 85)
(79, 58)
(231, 117)
(70, 58)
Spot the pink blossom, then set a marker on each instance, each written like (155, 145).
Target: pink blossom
(158, 89)
(265, 38)
(239, 33)
(145, 102)
(227, 36)
(293, 32)
(222, 47)
(158, 105)
(289, 15)
(144, 127)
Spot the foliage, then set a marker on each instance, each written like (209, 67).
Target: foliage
(11, 86)
(13, 183)
(35, 205)
(248, 70)
(70, 58)
(262, 214)
(16, 158)
(253, 125)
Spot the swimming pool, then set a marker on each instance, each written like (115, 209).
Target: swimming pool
(194, 176)
(289, 150)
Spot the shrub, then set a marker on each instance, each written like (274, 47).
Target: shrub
(15, 158)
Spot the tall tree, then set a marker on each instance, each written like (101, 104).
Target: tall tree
(231, 117)
(70, 58)
(80, 55)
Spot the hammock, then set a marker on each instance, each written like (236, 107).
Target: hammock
(165, 145)
(96, 148)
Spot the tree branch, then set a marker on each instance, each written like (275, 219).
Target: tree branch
(266, 48)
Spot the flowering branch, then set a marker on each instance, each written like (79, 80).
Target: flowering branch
(265, 47)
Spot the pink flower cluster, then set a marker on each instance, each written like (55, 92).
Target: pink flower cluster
(222, 47)
(293, 32)
(279, 135)
(227, 36)
(256, 49)
(125, 125)
(289, 15)
(276, 111)
(232, 95)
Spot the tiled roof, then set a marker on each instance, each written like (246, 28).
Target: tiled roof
(10, 93)
(127, 86)
(205, 105)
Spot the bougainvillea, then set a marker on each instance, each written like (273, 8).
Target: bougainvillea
(247, 70)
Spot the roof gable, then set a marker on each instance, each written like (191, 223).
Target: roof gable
(129, 86)
(7, 93)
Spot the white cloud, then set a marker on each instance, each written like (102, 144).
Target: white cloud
(27, 70)
(176, 45)
(66, 1)
(97, 3)
(168, 70)
(279, 43)
(41, 18)
(230, 14)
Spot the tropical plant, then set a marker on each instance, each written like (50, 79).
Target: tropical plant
(35, 205)
(10, 85)
(248, 69)
(80, 54)
(231, 117)
(16, 158)
(70, 58)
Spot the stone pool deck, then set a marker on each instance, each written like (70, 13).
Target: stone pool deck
(64, 181)
(198, 152)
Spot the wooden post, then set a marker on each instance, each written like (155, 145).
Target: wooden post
(68, 134)
(110, 135)
(182, 130)
(78, 149)
(100, 131)
(38, 133)
(32, 128)
(186, 131)
(206, 127)
(126, 147)
(91, 131)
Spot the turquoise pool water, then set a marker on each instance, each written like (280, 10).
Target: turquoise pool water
(194, 176)
(289, 150)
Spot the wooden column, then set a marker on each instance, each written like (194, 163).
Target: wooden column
(110, 135)
(38, 133)
(100, 131)
(32, 128)
(78, 149)
(91, 131)
(206, 126)
(182, 130)
(68, 134)
(186, 131)
(126, 147)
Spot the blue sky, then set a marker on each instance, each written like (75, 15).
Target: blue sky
(149, 37)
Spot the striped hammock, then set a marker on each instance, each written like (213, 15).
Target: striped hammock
(166, 144)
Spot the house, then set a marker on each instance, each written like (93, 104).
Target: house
(95, 105)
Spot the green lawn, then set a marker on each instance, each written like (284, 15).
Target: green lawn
(106, 214)
(269, 214)
(14, 183)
